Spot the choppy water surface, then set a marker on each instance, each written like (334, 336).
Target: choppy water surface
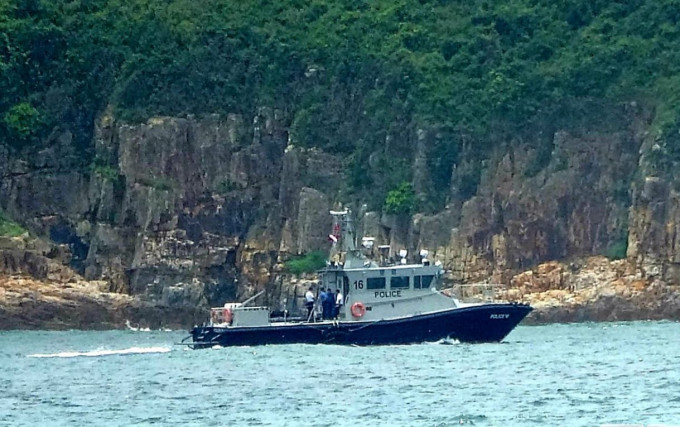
(567, 375)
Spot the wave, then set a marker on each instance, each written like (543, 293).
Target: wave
(136, 329)
(129, 326)
(99, 353)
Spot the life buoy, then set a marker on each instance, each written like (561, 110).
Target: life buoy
(358, 309)
(227, 315)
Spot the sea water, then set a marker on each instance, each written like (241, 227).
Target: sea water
(555, 375)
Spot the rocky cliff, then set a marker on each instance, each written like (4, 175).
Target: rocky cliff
(532, 206)
(191, 212)
(183, 211)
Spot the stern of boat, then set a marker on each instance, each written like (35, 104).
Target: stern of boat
(202, 337)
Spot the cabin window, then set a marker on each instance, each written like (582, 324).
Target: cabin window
(422, 282)
(375, 283)
(399, 282)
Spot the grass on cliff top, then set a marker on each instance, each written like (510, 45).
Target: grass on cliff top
(8, 227)
(308, 263)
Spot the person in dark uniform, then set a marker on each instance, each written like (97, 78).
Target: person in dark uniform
(323, 296)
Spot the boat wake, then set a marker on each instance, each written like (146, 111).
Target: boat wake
(99, 353)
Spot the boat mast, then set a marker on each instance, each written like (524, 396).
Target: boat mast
(343, 237)
(343, 230)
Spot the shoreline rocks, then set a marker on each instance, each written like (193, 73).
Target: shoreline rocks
(593, 289)
(30, 304)
(596, 290)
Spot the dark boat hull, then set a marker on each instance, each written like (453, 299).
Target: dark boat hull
(483, 323)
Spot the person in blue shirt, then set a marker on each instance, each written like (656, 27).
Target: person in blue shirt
(329, 305)
(323, 296)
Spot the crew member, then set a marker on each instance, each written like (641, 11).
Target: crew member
(309, 302)
(339, 301)
(329, 305)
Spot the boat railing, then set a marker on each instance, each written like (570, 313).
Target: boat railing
(218, 315)
(477, 292)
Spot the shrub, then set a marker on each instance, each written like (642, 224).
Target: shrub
(106, 172)
(401, 200)
(103, 169)
(227, 186)
(22, 121)
(9, 227)
(308, 263)
(159, 183)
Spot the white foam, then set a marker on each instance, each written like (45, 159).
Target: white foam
(98, 353)
(136, 329)
(447, 341)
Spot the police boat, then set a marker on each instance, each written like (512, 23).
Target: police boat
(383, 303)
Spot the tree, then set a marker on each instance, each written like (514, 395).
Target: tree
(22, 121)
(401, 200)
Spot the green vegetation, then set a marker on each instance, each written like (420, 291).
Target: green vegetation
(226, 186)
(103, 169)
(158, 182)
(354, 77)
(401, 200)
(308, 263)
(8, 227)
(22, 121)
(107, 172)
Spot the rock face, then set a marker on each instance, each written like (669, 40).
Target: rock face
(593, 289)
(576, 205)
(179, 211)
(27, 303)
(37, 291)
(196, 211)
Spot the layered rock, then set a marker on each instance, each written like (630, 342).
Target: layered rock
(593, 289)
(28, 303)
(181, 211)
(37, 291)
(576, 205)
(191, 212)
